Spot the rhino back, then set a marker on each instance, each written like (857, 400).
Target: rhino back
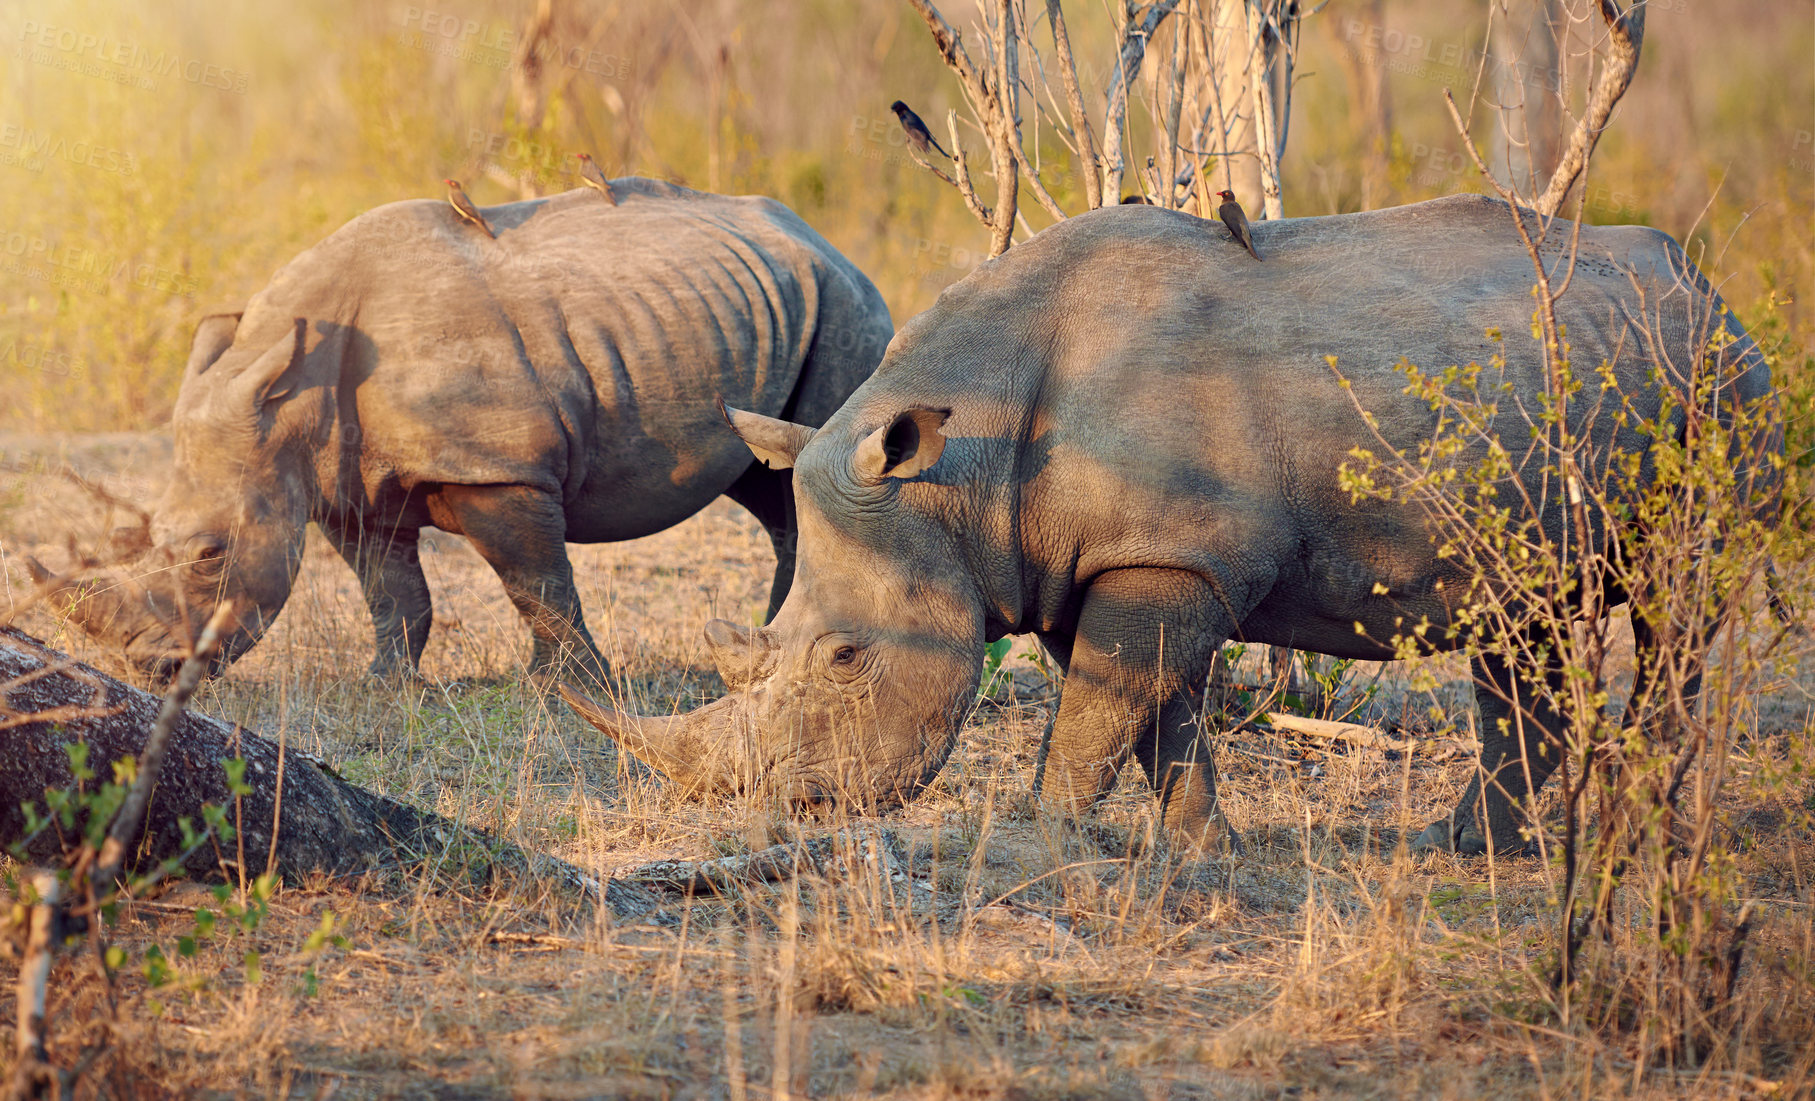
(580, 353)
(1168, 401)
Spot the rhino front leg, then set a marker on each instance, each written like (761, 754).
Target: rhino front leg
(1143, 646)
(388, 564)
(522, 534)
(769, 496)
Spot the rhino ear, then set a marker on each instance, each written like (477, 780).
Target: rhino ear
(904, 447)
(213, 335)
(257, 384)
(776, 442)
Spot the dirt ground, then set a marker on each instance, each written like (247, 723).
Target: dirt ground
(1013, 956)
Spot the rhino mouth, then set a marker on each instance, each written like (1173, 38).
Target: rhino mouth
(714, 750)
(136, 622)
(154, 652)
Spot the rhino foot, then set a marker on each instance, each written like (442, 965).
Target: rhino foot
(1443, 836)
(394, 672)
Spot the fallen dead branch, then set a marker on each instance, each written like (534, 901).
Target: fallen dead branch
(816, 855)
(1327, 730)
(33, 1073)
(1365, 737)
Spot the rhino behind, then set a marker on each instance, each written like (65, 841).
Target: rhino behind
(557, 384)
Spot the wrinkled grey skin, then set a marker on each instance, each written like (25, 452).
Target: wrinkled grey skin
(1139, 464)
(557, 385)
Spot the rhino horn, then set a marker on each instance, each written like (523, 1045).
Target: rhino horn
(62, 592)
(740, 653)
(41, 577)
(667, 745)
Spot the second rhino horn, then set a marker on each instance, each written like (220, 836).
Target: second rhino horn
(776, 442)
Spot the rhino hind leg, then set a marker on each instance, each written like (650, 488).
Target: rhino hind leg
(389, 567)
(768, 495)
(1521, 745)
(522, 534)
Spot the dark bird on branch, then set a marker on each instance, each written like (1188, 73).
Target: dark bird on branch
(1233, 216)
(464, 207)
(595, 179)
(918, 135)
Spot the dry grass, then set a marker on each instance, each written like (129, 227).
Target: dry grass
(1323, 962)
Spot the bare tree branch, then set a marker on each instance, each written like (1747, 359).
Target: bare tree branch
(1004, 146)
(962, 172)
(1260, 88)
(1135, 37)
(1199, 78)
(1039, 188)
(1626, 37)
(1074, 98)
(1168, 154)
(993, 95)
(951, 46)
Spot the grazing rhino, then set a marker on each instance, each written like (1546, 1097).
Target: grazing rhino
(554, 385)
(1124, 436)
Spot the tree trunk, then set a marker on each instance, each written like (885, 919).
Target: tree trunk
(323, 825)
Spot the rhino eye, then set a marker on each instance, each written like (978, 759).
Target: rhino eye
(207, 555)
(844, 655)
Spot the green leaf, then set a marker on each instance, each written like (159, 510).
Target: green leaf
(236, 775)
(157, 968)
(78, 761)
(323, 934)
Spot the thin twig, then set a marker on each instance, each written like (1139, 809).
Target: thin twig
(33, 1076)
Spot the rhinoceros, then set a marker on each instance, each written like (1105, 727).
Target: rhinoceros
(1124, 436)
(554, 385)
